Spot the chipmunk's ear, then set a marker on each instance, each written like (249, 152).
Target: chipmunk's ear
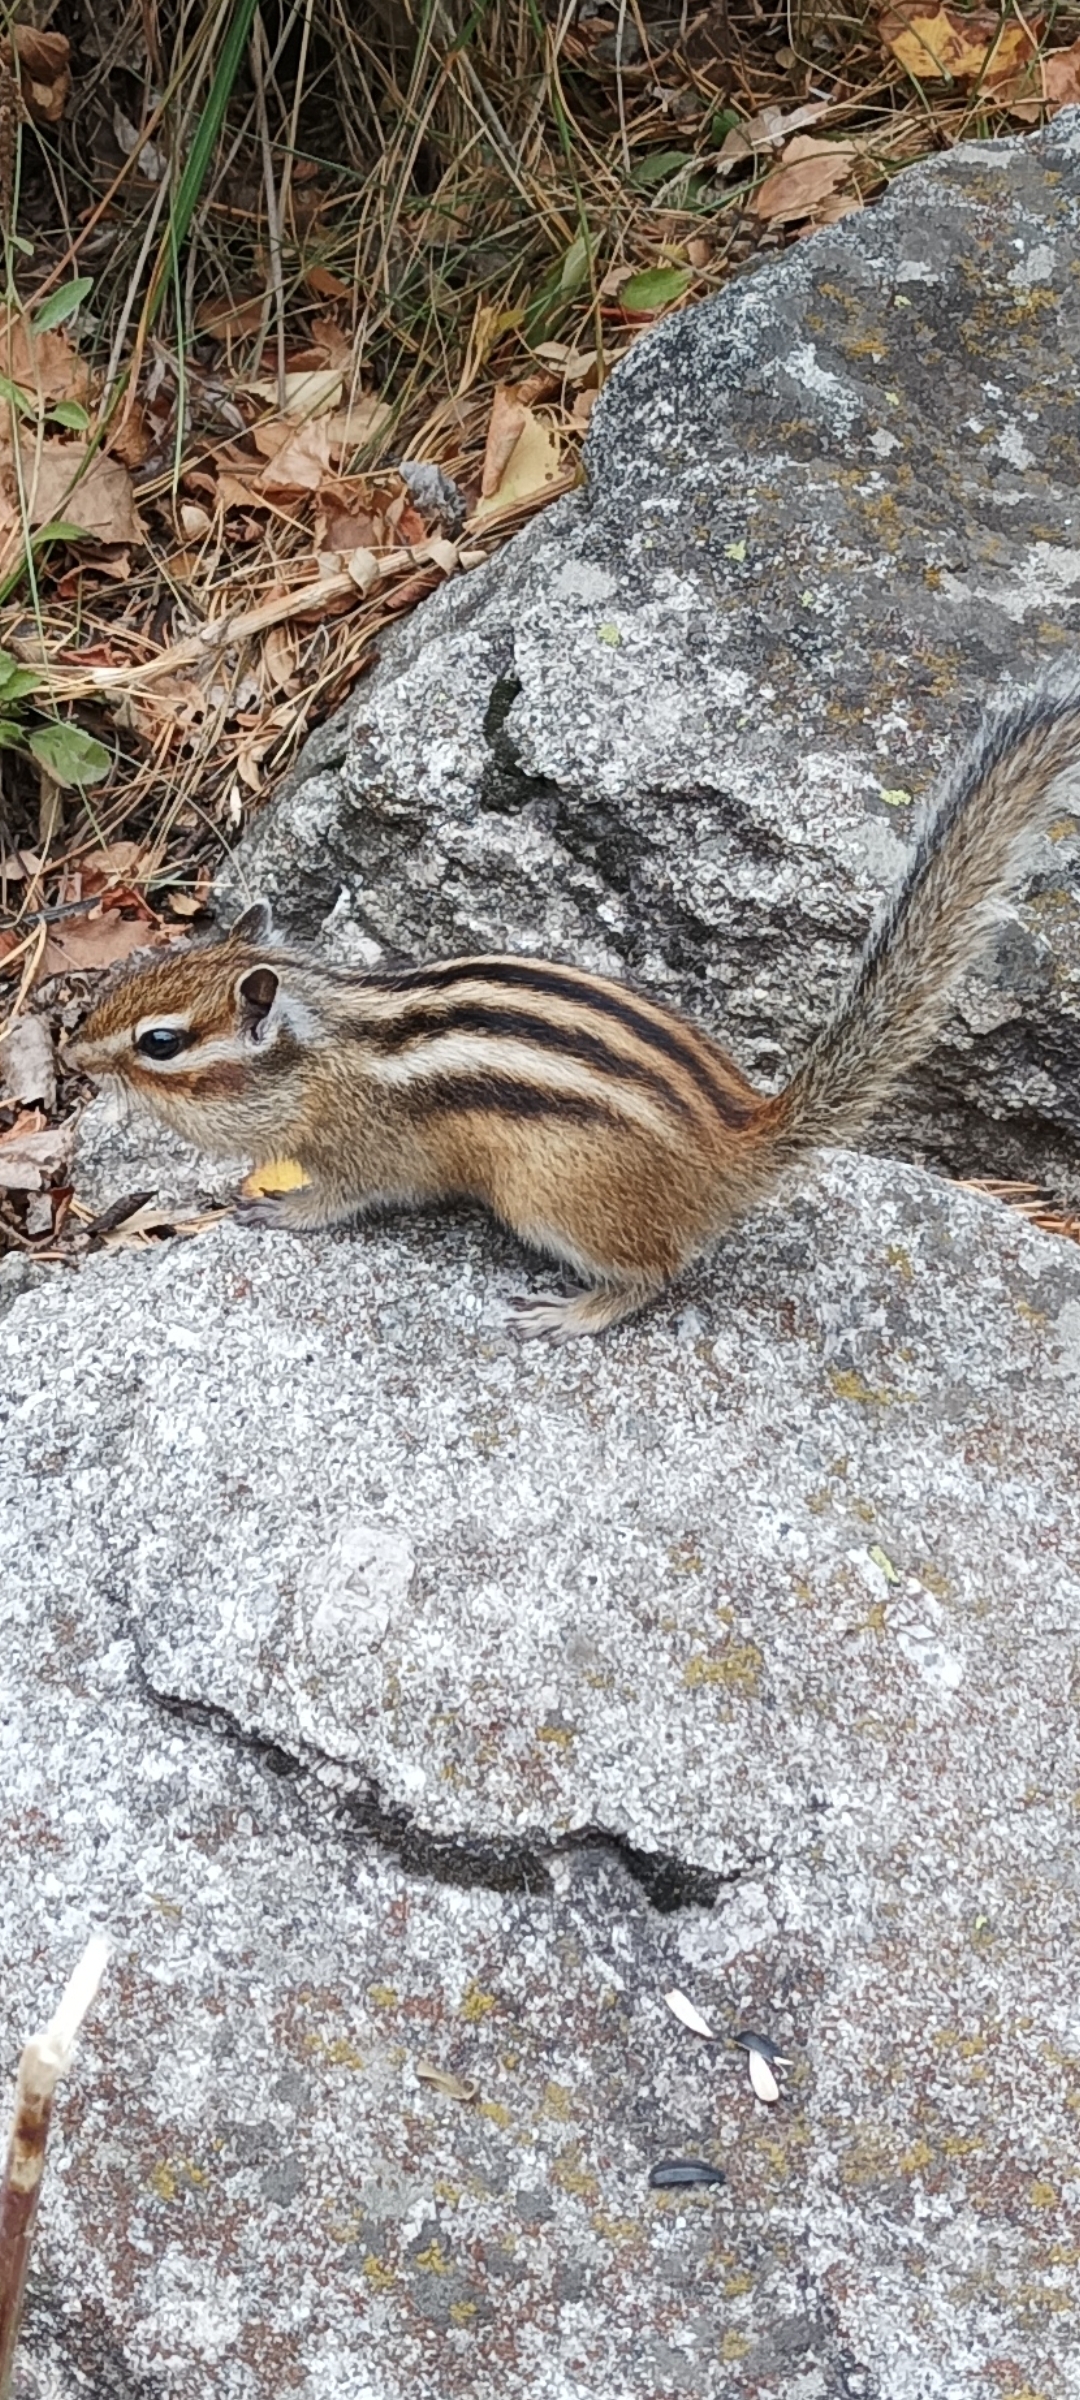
(256, 926)
(256, 993)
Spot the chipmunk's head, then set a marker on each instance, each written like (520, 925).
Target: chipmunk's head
(208, 1035)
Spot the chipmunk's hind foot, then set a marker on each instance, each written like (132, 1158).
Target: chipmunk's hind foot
(556, 1318)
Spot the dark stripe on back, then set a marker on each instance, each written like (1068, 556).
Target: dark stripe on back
(520, 974)
(516, 1025)
(500, 1096)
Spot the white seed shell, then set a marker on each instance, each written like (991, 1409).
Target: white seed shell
(688, 2015)
(762, 2077)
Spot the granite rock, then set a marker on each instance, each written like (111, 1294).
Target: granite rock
(677, 729)
(395, 1695)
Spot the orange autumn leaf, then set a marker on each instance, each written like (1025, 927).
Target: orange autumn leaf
(948, 44)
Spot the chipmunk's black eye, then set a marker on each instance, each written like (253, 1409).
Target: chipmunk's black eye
(163, 1041)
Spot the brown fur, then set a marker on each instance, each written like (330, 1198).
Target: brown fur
(599, 1125)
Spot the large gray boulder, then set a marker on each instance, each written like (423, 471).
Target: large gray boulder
(676, 728)
(397, 1697)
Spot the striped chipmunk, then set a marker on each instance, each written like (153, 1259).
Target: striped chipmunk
(604, 1128)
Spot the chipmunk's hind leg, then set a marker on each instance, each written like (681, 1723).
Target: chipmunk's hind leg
(561, 1320)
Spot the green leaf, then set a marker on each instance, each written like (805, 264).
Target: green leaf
(12, 734)
(575, 266)
(15, 681)
(725, 121)
(653, 289)
(15, 396)
(60, 529)
(68, 754)
(61, 303)
(71, 414)
(659, 167)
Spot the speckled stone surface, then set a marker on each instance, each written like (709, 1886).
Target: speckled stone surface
(396, 1695)
(677, 727)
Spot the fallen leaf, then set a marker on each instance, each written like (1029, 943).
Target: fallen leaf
(228, 319)
(41, 363)
(1044, 84)
(129, 436)
(310, 393)
(195, 521)
(27, 1065)
(532, 462)
(1061, 76)
(145, 1219)
(95, 493)
(506, 424)
(119, 862)
(29, 1158)
(280, 657)
(452, 2085)
(655, 288)
(948, 45)
(325, 284)
(44, 75)
(344, 532)
(768, 130)
(99, 940)
(363, 566)
(808, 172)
(359, 424)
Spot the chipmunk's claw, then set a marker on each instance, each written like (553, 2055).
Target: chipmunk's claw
(262, 1208)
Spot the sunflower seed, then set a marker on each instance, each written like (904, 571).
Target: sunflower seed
(688, 2015)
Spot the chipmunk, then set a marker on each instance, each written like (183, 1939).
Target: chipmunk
(603, 1127)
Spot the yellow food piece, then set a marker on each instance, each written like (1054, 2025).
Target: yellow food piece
(277, 1175)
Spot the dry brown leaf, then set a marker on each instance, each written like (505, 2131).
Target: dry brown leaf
(119, 862)
(331, 345)
(1061, 76)
(808, 171)
(93, 941)
(325, 284)
(506, 424)
(344, 531)
(935, 44)
(309, 392)
(43, 363)
(531, 462)
(27, 1066)
(363, 566)
(136, 1230)
(1045, 84)
(195, 521)
(360, 423)
(44, 75)
(129, 436)
(31, 1155)
(102, 502)
(298, 464)
(232, 319)
(280, 657)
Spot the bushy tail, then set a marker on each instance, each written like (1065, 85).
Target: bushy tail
(1023, 766)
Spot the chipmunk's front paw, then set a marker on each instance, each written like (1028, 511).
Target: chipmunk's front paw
(264, 1208)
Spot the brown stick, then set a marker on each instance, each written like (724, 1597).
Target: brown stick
(45, 2059)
